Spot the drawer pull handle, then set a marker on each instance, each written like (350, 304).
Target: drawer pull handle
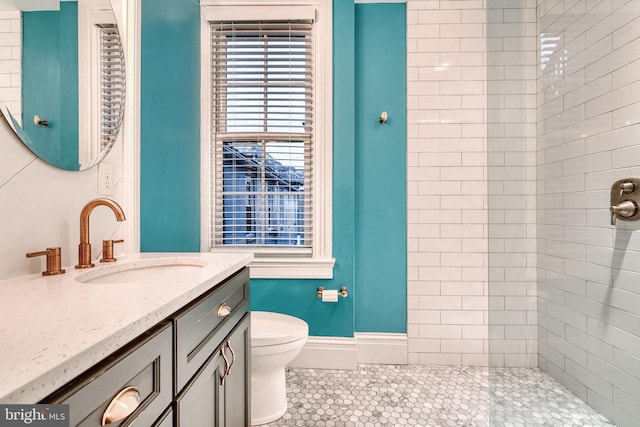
(122, 405)
(226, 366)
(233, 357)
(223, 310)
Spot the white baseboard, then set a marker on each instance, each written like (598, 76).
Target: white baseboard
(382, 348)
(347, 353)
(328, 353)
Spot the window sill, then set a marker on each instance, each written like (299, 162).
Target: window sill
(291, 268)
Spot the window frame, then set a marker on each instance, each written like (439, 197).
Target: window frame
(91, 15)
(320, 263)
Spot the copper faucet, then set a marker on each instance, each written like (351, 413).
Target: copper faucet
(84, 248)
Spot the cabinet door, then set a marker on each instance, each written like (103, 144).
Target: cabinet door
(165, 420)
(143, 366)
(235, 398)
(201, 326)
(210, 401)
(197, 404)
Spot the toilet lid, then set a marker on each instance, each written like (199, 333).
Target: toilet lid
(275, 328)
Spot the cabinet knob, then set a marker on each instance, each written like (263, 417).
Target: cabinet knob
(122, 405)
(223, 310)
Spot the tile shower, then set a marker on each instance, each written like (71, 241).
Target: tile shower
(521, 115)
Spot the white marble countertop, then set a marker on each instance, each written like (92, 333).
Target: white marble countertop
(54, 328)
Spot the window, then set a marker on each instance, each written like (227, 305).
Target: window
(112, 84)
(101, 80)
(266, 112)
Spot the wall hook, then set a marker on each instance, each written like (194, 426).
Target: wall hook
(384, 117)
(38, 122)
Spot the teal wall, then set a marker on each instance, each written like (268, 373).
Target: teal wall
(50, 83)
(170, 126)
(380, 165)
(170, 167)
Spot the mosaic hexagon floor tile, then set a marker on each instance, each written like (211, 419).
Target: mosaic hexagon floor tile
(416, 395)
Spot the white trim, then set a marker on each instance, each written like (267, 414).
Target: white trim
(261, 3)
(120, 11)
(29, 5)
(292, 268)
(266, 13)
(90, 14)
(130, 18)
(382, 348)
(321, 260)
(379, 1)
(328, 353)
(205, 133)
(347, 353)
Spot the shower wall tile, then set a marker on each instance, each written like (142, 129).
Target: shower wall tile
(511, 120)
(588, 133)
(452, 69)
(11, 62)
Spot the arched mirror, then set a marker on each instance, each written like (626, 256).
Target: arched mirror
(62, 78)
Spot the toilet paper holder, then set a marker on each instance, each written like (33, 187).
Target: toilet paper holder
(342, 292)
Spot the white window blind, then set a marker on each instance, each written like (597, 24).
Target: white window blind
(112, 84)
(262, 134)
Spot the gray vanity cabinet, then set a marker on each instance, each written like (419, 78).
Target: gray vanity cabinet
(143, 367)
(166, 420)
(202, 326)
(198, 404)
(236, 393)
(190, 370)
(213, 357)
(218, 395)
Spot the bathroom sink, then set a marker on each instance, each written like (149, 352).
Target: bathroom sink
(146, 270)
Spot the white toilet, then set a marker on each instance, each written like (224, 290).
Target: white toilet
(276, 339)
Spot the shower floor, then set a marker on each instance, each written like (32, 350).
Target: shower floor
(416, 395)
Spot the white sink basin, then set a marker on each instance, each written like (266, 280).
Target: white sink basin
(147, 270)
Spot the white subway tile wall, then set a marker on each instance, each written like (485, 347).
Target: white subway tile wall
(511, 174)
(446, 182)
(471, 181)
(588, 137)
(11, 62)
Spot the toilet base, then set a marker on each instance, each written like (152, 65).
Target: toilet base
(268, 396)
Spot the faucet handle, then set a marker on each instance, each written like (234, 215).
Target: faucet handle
(627, 187)
(107, 250)
(53, 260)
(626, 209)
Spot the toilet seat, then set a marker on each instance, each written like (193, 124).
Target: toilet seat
(275, 328)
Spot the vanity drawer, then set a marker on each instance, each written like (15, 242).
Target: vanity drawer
(145, 364)
(201, 326)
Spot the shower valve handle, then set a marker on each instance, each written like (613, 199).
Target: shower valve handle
(625, 209)
(627, 188)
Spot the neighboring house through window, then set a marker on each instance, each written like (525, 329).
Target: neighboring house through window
(266, 137)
